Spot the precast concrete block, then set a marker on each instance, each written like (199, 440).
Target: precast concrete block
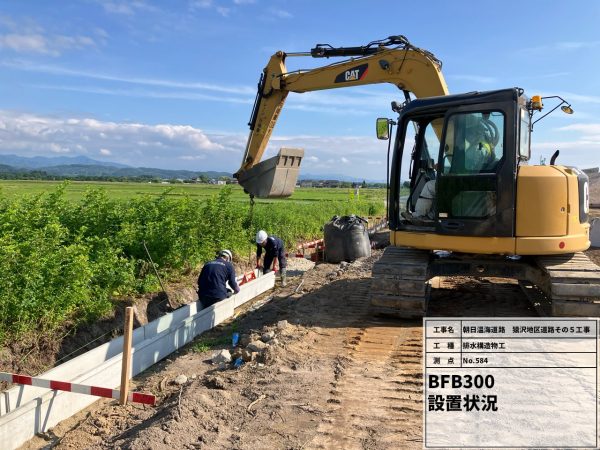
(25, 410)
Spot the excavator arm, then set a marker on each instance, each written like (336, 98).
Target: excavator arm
(405, 66)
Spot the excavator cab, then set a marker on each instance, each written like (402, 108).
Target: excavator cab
(460, 150)
(481, 203)
(480, 195)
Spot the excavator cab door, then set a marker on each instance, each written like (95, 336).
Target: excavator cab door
(475, 184)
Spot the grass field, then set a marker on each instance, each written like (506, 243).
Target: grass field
(68, 251)
(124, 191)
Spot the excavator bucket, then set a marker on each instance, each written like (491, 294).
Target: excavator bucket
(274, 177)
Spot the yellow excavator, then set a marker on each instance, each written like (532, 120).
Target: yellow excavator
(468, 204)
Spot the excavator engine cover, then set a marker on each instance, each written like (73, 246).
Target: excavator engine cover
(274, 177)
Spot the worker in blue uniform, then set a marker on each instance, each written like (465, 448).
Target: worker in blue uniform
(274, 248)
(213, 279)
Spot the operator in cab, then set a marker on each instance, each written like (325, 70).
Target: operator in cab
(274, 248)
(424, 205)
(213, 279)
(481, 138)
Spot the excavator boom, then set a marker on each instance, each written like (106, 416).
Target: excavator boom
(405, 66)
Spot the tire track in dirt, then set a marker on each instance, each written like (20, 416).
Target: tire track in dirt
(375, 400)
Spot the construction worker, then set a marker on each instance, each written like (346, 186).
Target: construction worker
(274, 248)
(212, 282)
(479, 153)
(424, 204)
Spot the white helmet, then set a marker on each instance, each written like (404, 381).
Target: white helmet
(226, 253)
(261, 236)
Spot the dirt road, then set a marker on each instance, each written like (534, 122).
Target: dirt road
(334, 377)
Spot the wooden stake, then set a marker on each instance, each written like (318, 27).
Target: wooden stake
(126, 366)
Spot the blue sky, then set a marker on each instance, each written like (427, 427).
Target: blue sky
(171, 84)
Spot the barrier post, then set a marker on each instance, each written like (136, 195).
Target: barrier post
(126, 363)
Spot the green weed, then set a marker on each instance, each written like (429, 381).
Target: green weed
(61, 260)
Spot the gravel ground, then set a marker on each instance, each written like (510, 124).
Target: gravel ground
(332, 376)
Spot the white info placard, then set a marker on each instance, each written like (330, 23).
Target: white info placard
(518, 382)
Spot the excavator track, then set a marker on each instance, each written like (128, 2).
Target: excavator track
(572, 283)
(400, 284)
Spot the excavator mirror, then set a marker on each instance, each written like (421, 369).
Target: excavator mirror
(383, 129)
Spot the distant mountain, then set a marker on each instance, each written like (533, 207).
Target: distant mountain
(82, 170)
(7, 169)
(37, 162)
(336, 176)
(82, 166)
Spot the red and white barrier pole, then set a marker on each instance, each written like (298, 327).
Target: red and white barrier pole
(136, 397)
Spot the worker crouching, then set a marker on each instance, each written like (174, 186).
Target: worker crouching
(212, 282)
(274, 248)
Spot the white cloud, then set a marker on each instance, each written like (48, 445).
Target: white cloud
(352, 101)
(130, 143)
(179, 146)
(58, 70)
(223, 11)
(588, 129)
(33, 43)
(244, 2)
(280, 13)
(202, 4)
(192, 157)
(579, 98)
(56, 148)
(28, 37)
(117, 8)
(127, 8)
(358, 156)
(143, 93)
(581, 151)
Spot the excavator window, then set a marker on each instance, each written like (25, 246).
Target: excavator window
(423, 168)
(470, 157)
(474, 143)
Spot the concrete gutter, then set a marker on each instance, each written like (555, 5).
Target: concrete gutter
(26, 410)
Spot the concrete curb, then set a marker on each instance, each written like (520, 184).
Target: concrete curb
(27, 410)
